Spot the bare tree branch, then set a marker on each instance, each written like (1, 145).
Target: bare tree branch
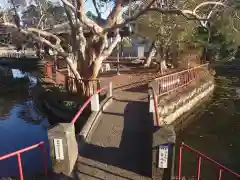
(232, 23)
(31, 31)
(113, 16)
(45, 34)
(237, 15)
(81, 15)
(163, 11)
(70, 5)
(57, 46)
(235, 29)
(110, 48)
(40, 20)
(72, 26)
(185, 13)
(96, 8)
(219, 3)
(130, 19)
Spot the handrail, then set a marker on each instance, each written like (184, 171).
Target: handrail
(67, 78)
(200, 156)
(18, 153)
(174, 81)
(85, 105)
(47, 64)
(171, 82)
(155, 107)
(186, 70)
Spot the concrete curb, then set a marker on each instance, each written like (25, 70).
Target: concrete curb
(187, 106)
(92, 122)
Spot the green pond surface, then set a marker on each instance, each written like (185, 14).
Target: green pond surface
(216, 133)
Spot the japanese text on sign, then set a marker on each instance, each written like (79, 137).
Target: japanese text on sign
(58, 146)
(163, 156)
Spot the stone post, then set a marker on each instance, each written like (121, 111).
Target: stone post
(95, 106)
(163, 141)
(140, 52)
(63, 148)
(110, 93)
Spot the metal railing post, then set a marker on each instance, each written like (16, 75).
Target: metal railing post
(180, 163)
(200, 156)
(44, 159)
(220, 174)
(199, 168)
(20, 166)
(18, 154)
(110, 93)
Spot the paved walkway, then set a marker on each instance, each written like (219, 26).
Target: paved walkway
(120, 148)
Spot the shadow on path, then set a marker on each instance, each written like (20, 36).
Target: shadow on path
(123, 145)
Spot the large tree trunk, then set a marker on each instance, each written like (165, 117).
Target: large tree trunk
(151, 54)
(175, 57)
(161, 57)
(91, 86)
(163, 66)
(72, 80)
(90, 82)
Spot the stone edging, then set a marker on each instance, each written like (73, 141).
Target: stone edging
(187, 106)
(161, 135)
(92, 122)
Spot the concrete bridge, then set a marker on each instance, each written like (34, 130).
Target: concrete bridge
(25, 60)
(24, 64)
(127, 134)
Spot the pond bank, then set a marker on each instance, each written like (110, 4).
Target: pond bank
(60, 106)
(215, 132)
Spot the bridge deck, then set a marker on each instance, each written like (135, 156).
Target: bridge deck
(120, 148)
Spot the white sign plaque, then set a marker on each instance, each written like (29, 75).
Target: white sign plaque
(163, 156)
(58, 146)
(140, 51)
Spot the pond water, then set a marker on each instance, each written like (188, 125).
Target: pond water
(215, 133)
(20, 126)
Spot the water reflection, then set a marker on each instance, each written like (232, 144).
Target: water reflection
(21, 125)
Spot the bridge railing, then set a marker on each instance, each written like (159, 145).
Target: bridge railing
(19, 152)
(172, 82)
(201, 156)
(65, 80)
(94, 101)
(167, 84)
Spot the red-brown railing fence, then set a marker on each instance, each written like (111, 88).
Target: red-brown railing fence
(66, 81)
(201, 156)
(18, 154)
(174, 81)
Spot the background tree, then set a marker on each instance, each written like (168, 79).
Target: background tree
(213, 40)
(89, 44)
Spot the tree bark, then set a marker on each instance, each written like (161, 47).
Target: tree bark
(73, 81)
(161, 59)
(91, 86)
(163, 66)
(151, 54)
